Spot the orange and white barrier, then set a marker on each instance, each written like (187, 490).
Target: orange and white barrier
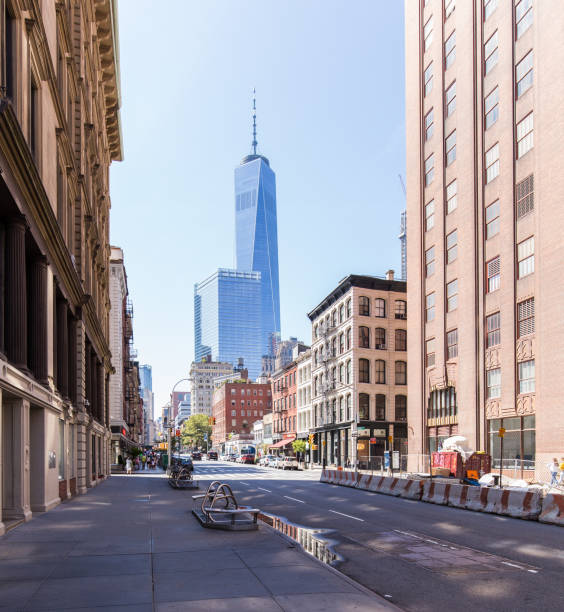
(552, 509)
(436, 492)
(410, 489)
(348, 479)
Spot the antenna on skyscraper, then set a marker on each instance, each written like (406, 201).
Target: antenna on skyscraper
(254, 144)
(403, 233)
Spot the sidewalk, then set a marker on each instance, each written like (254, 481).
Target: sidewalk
(132, 544)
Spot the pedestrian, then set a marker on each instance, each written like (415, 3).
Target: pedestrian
(553, 468)
(137, 463)
(128, 465)
(143, 460)
(561, 466)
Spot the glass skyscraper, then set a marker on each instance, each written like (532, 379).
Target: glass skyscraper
(256, 238)
(227, 318)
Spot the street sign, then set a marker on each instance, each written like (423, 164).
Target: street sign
(501, 432)
(314, 447)
(205, 437)
(323, 442)
(395, 460)
(390, 439)
(386, 459)
(354, 434)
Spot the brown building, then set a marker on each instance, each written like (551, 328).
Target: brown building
(359, 371)
(59, 132)
(284, 406)
(236, 406)
(485, 188)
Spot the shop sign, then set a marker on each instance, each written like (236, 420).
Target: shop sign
(380, 433)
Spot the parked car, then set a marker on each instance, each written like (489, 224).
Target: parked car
(247, 458)
(269, 460)
(288, 463)
(232, 457)
(212, 456)
(264, 460)
(196, 456)
(275, 462)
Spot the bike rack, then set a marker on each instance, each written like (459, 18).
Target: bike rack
(186, 481)
(219, 510)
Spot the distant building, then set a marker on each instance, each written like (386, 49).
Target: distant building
(285, 352)
(202, 377)
(227, 318)
(184, 411)
(303, 362)
(146, 390)
(284, 406)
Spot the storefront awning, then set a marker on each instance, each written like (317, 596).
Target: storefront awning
(283, 442)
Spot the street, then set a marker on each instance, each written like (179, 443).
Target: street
(422, 557)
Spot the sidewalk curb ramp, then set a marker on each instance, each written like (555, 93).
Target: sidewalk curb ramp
(553, 509)
(527, 505)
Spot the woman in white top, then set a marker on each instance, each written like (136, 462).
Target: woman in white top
(128, 465)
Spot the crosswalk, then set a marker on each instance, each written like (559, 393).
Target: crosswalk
(233, 471)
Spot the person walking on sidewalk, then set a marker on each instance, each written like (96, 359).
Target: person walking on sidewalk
(553, 469)
(561, 476)
(128, 465)
(143, 460)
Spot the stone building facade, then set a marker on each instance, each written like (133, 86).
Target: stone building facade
(59, 133)
(484, 213)
(359, 371)
(303, 363)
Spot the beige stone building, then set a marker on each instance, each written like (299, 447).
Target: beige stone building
(359, 371)
(485, 187)
(59, 132)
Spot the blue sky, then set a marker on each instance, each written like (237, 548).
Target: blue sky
(329, 77)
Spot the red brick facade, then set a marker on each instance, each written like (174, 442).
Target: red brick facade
(284, 390)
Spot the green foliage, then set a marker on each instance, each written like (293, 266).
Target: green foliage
(299, 446)
(194, 429)
(135, 451)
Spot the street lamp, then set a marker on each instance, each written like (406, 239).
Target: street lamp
(169, 428)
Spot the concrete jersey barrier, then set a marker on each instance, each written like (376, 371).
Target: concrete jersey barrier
(552, 509)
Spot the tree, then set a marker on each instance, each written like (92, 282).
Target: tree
(299, 446)
(195, 429)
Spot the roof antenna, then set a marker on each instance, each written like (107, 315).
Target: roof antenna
(254, 143)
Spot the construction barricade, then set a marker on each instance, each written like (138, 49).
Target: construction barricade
(552, 509)
(436, 492)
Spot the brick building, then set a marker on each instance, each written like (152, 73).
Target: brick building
(284, 407)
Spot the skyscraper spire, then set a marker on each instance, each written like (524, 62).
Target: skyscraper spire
(254, 143)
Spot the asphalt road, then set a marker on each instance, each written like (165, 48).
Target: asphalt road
(422, 557)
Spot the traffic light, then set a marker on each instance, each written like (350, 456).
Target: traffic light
(311, 438)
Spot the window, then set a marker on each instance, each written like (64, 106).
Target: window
(11, 51)
(401, 309)
(451, 193)
(526, 257)
(450, 50)
(401, 340)
(401, 408)
(428, 33)
(442, 403)
(34, 120)
(363, 407)
(492, 163)
(363, 371)
(452, 344)
(430, 353)
(490, 53)
(363, 337)
(364, 306)
(489, 8)
(428, 79)
(450, 5)
(401, 373)
(341, 344)
(525, 195)
(524, 74)
(341, 313)
(452, 246)
(526, 317)
(429, 125)
(430, 307)
(429, 215)
(527, 376)
(492, 219)
(349, 308)
(493, 323)
(450, 148)
(493, 383)
(348, 338)
(334, 318)
(380, 372)
(491, 108)
(349, 402)
(452, 295)
(493, 273)
(525, 135)
(523, 17)
(519, 441)
(380, 338)
(242, 413)
(430, 261)
(429, 170)
(233, 422)
(380, 308)
(349, 366)
(380, 407)
(342, 372)
(450, 99)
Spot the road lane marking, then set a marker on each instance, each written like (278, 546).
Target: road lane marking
(512, 565)
(267, 490)
(347, 515)
(294, 499)
(245, 483)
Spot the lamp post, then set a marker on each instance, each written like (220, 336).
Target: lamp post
(169, 428)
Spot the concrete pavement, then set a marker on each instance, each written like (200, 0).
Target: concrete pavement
(132, 544)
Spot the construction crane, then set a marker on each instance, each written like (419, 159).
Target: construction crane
(403, 234)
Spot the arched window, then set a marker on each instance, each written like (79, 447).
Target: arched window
(379, 338)
(363, 371)
(342, 372)
(341, 313)
(363, 337)
(341, 409)
(349, 308)
(364, 306)
(316, 357)
(348, 379)
(334, 318)
(401, 373)
(401, 340)
(341, 344)
(380, 407)
(349, 407)
(401, 309)
(380, 307)
(348, 339)
(401, 408)
(380, 372)
(363, 407)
